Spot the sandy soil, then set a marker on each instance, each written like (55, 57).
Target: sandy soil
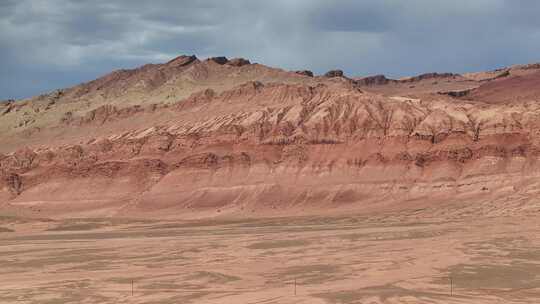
(405, 257)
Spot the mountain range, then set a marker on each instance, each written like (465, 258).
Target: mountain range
(194, 138)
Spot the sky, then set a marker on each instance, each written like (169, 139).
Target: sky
(51, 44)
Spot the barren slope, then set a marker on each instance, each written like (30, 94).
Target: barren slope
(194, 138)
(515, 89)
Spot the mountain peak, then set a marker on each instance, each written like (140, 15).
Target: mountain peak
(182, 60)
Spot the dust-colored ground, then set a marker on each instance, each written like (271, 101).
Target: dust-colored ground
(408, 257)
(449, 163)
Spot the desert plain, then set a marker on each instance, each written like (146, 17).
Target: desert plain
(453, 255)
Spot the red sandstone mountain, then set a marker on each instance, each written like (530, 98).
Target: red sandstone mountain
(201, 138)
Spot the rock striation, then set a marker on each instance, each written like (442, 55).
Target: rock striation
(270, 141)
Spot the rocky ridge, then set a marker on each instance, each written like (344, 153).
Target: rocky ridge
(280, 142)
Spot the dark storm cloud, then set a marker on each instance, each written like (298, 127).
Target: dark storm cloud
(353, 16)
(57, 43)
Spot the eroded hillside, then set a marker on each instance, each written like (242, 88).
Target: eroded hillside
(201, 138)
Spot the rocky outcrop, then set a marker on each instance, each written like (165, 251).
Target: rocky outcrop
(305, 73)
(219, 60)
(373, 80)
(457, 94)
(429, 76)
(182, 60)
(238, 62)
(334, 73)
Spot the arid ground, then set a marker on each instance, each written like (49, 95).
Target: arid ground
(450, 255)
(226, 181)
